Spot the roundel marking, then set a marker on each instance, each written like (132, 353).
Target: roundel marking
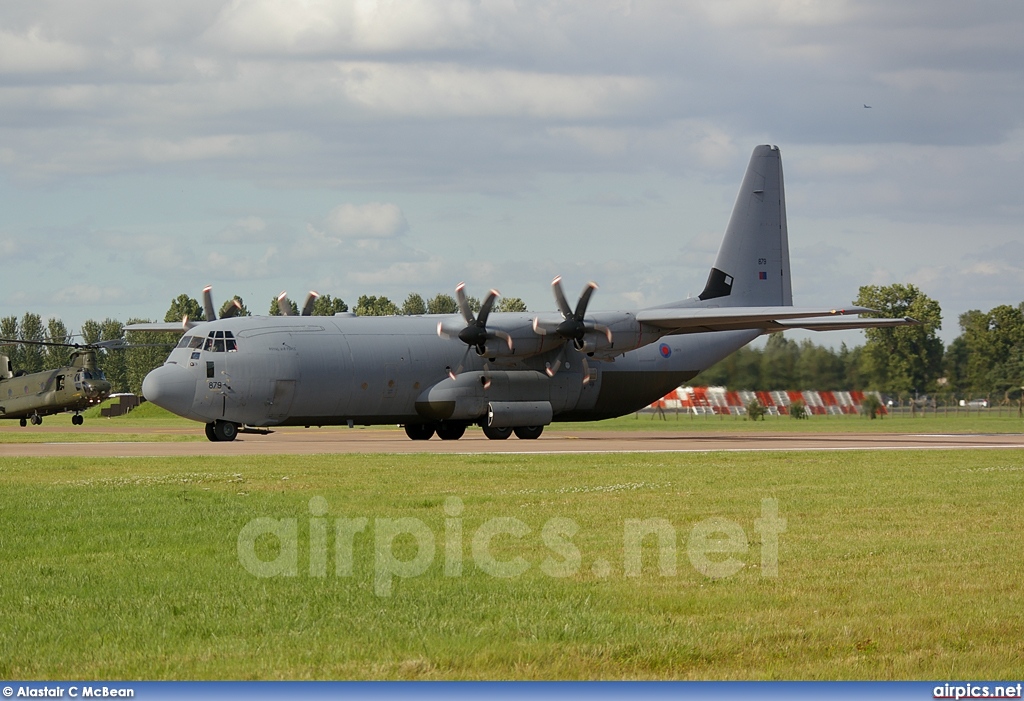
(664, 350)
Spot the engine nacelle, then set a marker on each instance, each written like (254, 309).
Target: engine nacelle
(515, 414)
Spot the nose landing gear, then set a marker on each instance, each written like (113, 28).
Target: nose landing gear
(221, 431)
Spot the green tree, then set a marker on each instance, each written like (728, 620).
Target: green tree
(325, 305)
(903, 359)
(414, 304)
(819, 368)
(275, 309)
(375, 306)
(510, 304)
(442, 304)
(146, 351)
(779, 363)
(32, 356)
(184, 306)
(988, 356)
(56, 332)
(9, 328)
(114, 363)
(242, 309)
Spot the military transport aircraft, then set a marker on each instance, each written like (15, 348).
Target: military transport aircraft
(31, 396)
(506, 372)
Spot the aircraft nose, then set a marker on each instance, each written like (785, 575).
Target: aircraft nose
(170, 387)
(96, 389)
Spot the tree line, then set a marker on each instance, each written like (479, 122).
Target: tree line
(126, 368)
(985, 360)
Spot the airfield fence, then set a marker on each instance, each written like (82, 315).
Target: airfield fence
(701, 401)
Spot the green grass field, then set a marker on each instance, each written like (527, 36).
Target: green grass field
(892, 566)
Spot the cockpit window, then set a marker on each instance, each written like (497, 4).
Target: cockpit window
(220, 342)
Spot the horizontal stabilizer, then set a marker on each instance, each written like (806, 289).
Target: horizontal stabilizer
(843, 324)
(699, 320)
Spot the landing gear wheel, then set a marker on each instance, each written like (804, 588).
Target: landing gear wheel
(36, 419)
(450, 431)
(23, 423)
(419, 432)
(225, 430)
(210, 433)
(497, 434)
(77, 420)
(528, 433)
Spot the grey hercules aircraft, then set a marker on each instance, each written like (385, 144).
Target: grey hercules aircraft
(506, 372)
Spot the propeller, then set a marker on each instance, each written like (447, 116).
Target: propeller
(573, 326)
(475, 333)
(284, 305)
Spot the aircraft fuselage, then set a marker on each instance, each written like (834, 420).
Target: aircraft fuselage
(317, 371)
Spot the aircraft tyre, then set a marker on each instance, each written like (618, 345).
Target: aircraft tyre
(36, 419)
(497, 434)
(419, 432)
(23, 423)
(77, 420)
(448, 431)
(225, 430)
(209, 432)
(528, 433)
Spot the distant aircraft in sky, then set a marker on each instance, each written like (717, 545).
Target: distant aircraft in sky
(505, 372)
(867, 107)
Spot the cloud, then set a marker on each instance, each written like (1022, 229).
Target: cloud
(373, 220)
(445, 90)
(86, 294)
(32, 53)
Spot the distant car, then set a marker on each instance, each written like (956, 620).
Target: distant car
(975, 403)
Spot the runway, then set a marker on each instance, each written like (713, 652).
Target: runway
(313, 441)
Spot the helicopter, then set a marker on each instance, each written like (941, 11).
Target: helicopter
(78, 385)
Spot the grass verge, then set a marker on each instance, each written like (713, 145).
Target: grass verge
(891, 567)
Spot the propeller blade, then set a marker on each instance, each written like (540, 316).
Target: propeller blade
(208, 309)
(552, 368)
(460, 297)
(563, 303)
(601, 328)
(586, 369)
(505, 337)
(485, 308)
(311, 298)
(581, 306)
(233, 309)
(284, 305)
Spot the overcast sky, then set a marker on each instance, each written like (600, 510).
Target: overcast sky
(151, 148)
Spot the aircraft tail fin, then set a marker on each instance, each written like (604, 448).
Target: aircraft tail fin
(752, 267)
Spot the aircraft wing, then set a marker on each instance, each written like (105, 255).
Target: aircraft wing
(168, 326)
(681, 320)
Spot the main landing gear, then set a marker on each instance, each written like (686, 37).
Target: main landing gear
(77, 419)
(221, 431)
(35, 420)
(454, 430)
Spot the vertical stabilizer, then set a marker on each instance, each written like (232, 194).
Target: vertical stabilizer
(752, 267)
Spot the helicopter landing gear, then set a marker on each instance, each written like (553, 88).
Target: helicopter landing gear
(77, 419)
(23, 423)
(221, 431)
(36, 419)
